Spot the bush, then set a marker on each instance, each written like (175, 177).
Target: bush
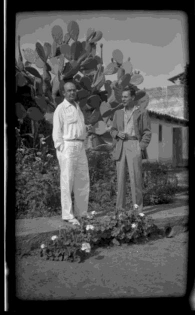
(38, 183)
(123, 227)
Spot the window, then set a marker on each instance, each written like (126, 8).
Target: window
(160, 133)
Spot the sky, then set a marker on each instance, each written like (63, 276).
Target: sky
(156, 42)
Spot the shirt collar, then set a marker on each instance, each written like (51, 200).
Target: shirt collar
(67, 104)
(133, 109)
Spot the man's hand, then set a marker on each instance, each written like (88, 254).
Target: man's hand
(121, 135)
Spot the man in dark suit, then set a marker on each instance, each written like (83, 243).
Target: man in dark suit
(131, 131)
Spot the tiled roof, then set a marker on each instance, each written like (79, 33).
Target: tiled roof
(167, 102)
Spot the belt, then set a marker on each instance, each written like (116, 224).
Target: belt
(127, 137)
(74, 139)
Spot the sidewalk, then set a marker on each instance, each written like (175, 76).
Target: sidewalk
(32, 232)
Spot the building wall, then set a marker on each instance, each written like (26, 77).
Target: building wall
(153, 152)
(163, 151)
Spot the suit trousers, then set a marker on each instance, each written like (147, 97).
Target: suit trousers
(131, 158)
(74, 176)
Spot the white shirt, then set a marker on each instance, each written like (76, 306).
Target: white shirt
(128, 121)
(68, 123)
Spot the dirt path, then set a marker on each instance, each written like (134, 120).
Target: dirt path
(154, 269)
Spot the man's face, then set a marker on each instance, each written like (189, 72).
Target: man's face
(70, 92)
(127, 98)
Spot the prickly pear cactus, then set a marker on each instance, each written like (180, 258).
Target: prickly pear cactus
(76, 62)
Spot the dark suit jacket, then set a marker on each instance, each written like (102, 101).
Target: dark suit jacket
(142, 127)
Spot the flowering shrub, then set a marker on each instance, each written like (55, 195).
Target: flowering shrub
(38, 182)
(75, 244)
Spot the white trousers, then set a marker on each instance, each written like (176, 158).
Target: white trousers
(74, 176)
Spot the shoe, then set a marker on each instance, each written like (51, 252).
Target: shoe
(73, 221)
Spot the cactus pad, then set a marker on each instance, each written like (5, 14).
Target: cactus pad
(96, 37)
(39, 63)
(20, 79)
(66, 38)
(94, 101)
(90, 33)
(117, 55)
(47, 49)
(33, 71)
(73, 30)
(57, 34)
(89, 64)
(34, 113)
(136, 79)
(81, 94)
(127, 66)
(111, 69)
(124, 81)
(41, 102)
(29, 55)
(76, 50)
(20, 111)
(95, 116)
(49, 117)
(66, 51)
(85, 82)
(40, 51)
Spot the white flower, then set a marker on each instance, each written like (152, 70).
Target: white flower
(141, 214)
(133, 226)
(43, 246)
(54, 237)
(49, 155)
(39, 153)
(120, 215)
(86, 247)
(89, 227)
(42, 140)
(93, 212)
(56, 168)
(37, 158)
(136, 206)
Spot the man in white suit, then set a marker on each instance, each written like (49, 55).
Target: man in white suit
(69, 133)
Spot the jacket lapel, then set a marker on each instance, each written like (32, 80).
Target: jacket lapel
(120, 121)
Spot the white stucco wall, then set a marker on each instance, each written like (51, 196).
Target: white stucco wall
(153, 152)
(166, 146)
(163, 151)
